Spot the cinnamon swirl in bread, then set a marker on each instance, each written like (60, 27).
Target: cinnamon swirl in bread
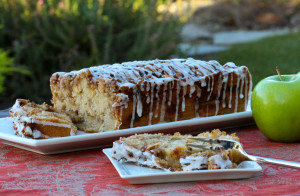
(139, 93)
(39, 121)
(171, 152)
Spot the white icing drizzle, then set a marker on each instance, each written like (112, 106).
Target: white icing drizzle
(157, 101)
(123, 152)
(219, 162)
(149, 160)
(241, 95)
(51, 123)
(196, 107)
(211, 88)
(170, 93)
(197, 101)
(148, 94)
(139, 104)
(192, 89)
(177, 100)
(199, 90)
(26, 119)
(217, 106)
(230, 94)
(208, 87)
(124, 100)
(203, 82)
(225, 80)
(148, 86)
(246, 92)
(121, 113)
(237, 94)
(151, 103)
(190, 163)
(133, 108)
(130, 73)
(220, 82)
(183, 99)
(36, 133)
(163, 104)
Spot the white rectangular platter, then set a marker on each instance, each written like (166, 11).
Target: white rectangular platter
(141, 175)
(84, 141)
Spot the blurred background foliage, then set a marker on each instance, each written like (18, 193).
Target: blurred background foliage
(6, 69)
(49, 36)
(262, 56)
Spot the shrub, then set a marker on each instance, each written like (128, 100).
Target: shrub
(49, 36)
(6, 68)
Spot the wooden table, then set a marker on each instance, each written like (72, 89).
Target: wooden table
(90, 172)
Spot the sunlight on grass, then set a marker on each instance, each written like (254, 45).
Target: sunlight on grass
(261, 57)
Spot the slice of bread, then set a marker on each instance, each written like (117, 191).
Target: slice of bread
(40, 121)
(171, 152)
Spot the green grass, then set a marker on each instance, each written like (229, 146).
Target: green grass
(262, 57)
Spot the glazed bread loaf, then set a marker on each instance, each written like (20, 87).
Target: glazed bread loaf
(139, 93)
(40, 121)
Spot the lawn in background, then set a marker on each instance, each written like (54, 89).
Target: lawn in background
(262, 56)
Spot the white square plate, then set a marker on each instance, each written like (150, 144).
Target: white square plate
(142, 175)
(84, 141)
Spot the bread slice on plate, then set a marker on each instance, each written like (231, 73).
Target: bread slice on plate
(40, 121)
(171, 152)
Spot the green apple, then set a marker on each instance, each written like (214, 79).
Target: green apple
(275, 107)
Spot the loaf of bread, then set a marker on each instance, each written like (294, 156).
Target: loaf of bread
(140, 93)
(35, 121)
(173, 152)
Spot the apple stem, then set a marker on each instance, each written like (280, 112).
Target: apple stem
(278, 72)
